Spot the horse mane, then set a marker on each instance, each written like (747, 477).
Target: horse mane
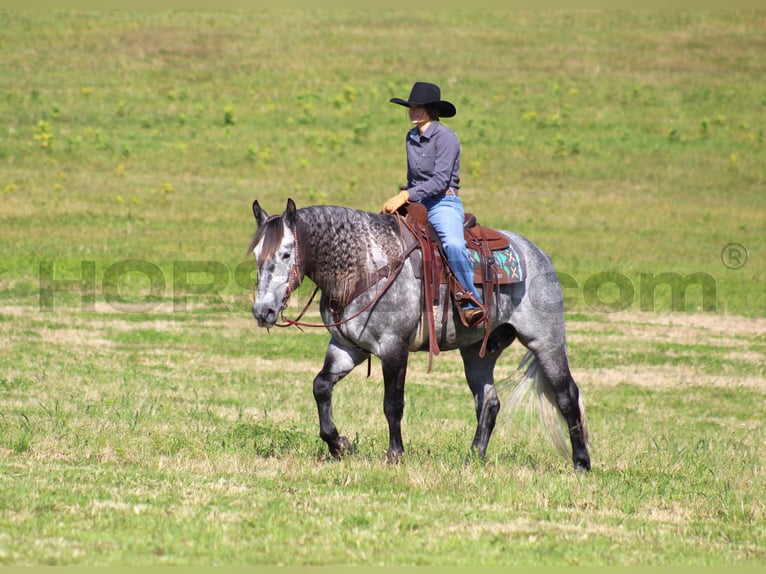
(341, 245)
(335, 242)
(343, 232)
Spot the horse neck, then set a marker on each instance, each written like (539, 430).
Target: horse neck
(339, 246)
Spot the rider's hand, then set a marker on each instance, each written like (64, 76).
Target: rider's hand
(393, 204)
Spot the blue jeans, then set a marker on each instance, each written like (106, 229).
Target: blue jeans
(446, 215)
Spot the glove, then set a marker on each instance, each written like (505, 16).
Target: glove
(393, 204)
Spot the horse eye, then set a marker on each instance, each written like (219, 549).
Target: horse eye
(286, 256)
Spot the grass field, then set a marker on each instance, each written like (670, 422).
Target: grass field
(144, 419)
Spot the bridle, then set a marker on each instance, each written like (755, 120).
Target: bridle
(294, 276)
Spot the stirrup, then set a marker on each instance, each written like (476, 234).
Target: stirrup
(472, 316)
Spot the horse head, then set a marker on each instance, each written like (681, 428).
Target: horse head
(275, 247)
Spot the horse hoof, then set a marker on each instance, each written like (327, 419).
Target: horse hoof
(474, 456)
(582, 466)
(393, 457)
(341, 448)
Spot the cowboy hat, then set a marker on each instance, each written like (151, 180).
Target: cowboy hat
(425, 94)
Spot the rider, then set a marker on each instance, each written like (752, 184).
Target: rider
(433, 179)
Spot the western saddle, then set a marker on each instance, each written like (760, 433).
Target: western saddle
(436, 270)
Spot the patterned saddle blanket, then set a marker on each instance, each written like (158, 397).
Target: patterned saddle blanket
(503, 260)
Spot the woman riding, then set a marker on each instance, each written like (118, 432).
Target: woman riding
(433, 179)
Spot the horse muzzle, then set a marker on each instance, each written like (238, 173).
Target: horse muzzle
(266, 313)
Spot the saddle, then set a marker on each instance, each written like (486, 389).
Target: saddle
(495, 262)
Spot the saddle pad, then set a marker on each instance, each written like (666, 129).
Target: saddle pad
(509, 266)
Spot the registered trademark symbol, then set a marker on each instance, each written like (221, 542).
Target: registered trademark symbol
(734, 255)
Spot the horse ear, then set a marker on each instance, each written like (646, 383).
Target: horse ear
(289, 215)
(260, 215)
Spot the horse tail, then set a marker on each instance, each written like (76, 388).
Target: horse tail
(532, 382)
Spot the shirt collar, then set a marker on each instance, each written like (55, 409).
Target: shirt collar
(417, 136)
(431, 129)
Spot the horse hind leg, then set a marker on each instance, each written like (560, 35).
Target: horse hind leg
(557, 390)
(479, 373)
(339, 361)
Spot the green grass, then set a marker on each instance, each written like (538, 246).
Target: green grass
(122, 444)
(145, 419)
(616, 147)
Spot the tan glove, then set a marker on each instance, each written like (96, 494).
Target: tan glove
(396, 202)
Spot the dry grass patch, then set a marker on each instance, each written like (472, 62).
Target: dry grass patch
(735, 341)
(687, 323)
(665, 378)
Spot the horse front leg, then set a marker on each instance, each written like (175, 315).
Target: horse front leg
(394, 374)
(339, 361)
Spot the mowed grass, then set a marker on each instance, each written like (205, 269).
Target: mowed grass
(194, 441)
(145, 419)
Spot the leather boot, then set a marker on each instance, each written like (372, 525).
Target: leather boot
(472, 316)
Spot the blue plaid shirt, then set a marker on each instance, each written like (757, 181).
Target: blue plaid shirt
(433, 161)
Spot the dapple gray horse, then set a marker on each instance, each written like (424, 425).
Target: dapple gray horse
(341, 249)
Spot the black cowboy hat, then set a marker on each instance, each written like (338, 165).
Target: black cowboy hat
(425, 94)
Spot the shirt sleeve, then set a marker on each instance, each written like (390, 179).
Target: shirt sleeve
(433, 180)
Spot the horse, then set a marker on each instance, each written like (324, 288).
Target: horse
(371, 303)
